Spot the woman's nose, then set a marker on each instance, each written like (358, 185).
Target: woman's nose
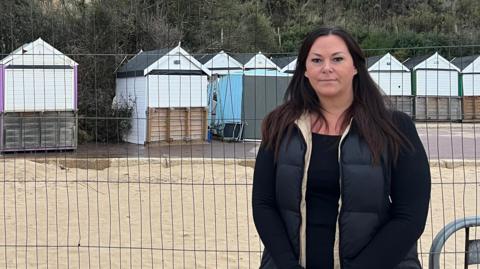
(327, 67)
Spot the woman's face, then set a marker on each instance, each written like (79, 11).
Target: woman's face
(330, 69)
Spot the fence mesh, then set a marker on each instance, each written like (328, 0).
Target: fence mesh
(116, 157)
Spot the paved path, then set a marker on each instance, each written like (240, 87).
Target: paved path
(450, 141)
(441, 141)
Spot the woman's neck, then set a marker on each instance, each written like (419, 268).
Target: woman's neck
(335, 106)
(330, 124)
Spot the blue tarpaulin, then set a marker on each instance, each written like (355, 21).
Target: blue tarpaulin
(229, 99)
(229, 90)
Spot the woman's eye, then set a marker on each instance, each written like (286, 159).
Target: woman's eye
(338, 59)
(316, 60)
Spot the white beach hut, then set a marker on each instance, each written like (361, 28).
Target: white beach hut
(435, 87)
(394, 79)
(469, 85)
(168, 90)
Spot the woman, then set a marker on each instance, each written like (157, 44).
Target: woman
(339, 181)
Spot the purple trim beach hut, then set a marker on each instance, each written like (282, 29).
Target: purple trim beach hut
(38, 99)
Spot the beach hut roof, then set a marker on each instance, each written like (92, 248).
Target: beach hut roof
(463, 62)
(414, 61)
(243, 58)
(283, 61)
(386, 62)
(143, 60)
(373, 59)
(205, 57)
(29, 49)
(223, 60)
(260, 61)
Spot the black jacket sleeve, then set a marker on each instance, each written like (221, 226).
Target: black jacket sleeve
(410, 194)
(267, 219)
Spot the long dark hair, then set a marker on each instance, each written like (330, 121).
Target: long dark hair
(371, 117)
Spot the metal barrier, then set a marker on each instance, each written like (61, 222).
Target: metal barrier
(472, 247)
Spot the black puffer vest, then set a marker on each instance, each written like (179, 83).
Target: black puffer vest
(364, 208)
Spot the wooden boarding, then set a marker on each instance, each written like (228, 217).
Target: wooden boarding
(400, 103)
(177, 124)
(38, 131)
(471, 108)
(438, 108)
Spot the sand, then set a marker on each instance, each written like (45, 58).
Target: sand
(164, 213)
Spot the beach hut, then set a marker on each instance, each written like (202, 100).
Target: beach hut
(219, 64)
(245, 98)
(255, 61)
(394, 79)
(38, 99)
(469, 85)
(286, 64)
(167, 89)
(435, 87)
